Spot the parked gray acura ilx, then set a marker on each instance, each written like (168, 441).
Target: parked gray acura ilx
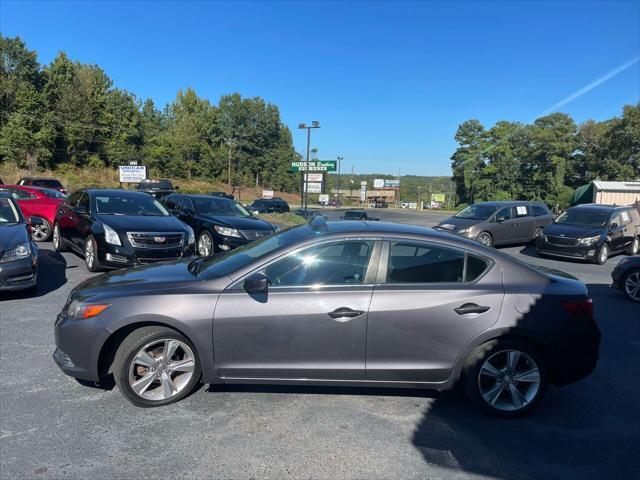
(334, 303)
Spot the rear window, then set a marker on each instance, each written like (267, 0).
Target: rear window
(49, 183)
(539, 211)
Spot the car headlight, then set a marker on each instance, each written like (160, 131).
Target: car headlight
(589, 240)
(464, 231)
(81, 311)
(192, 236)
(227, 232)
(18, 253)
(111, 236)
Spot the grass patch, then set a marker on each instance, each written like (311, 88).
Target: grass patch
(283, 220)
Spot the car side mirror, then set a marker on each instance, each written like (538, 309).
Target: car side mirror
(614, 225)
(80, 210)
(257, 283)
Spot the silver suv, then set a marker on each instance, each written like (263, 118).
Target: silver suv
(499, 223)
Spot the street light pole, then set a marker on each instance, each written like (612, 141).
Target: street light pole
(303, 193)
(339, 163)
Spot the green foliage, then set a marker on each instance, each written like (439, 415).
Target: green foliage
(69, 114)
(546, 160)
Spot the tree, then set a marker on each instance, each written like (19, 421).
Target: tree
(468, 160)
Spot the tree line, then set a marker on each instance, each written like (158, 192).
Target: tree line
(70, 114)
(545, 160)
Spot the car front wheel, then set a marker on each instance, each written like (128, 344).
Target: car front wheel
(156, 366)
(91, 254)
(631, 285)
(505, 378)
(603, 255)
(485, 238)
(58, 245)
(205, 244)
(634, 248)
(41, 233)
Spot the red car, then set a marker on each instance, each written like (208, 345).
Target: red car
(51, 183)
(37, 202)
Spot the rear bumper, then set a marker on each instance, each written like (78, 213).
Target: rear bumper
(573, 352)
(19, 274)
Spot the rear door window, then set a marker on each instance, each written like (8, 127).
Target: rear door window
(625, 217)
(538, 211)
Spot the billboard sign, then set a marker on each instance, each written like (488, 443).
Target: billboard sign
(378, 183)
(267, 193)
(132, 173)
(392, 183)
(315, 166)
(363, 192)
(323, 198)
(313, 187)
(313, 177)
(437, 197)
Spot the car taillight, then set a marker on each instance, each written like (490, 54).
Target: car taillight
(581, 307)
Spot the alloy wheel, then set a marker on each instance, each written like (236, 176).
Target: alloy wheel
(604, 254)
(205, 244)
(485, 239)
(89, 254)
(632, 286)
(56, 237)
(161, 369)
(635, 247)
(41, 232)
(509, 380)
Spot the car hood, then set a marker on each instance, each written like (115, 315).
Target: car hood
(127, 282)
(453, 223)
(138, 223)
(11, 236)
(577, 231)
(241, 223)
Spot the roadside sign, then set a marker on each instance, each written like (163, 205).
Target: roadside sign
(363, 183)
(323, 198)
(363, 192)
(313, 177)
(315, 166)
(267, 193)
(392, 183)
(437, 197)
(313, 187)
(378, 183)
(132, 173)
(133, 162)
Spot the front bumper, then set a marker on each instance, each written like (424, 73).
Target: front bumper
(115, 256)
(471, 235)
(580, 252)
(19, 274)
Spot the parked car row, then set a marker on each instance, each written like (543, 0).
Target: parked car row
(588, 232)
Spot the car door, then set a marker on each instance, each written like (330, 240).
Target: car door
(311, 324)
(616, 232)
(81, 228)
(26, 202)
(523, 223)
(186, 211)
(429, 301)
(628, 232)
(66, 217)
(502, 228)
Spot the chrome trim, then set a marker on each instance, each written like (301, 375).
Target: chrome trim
(155, 234)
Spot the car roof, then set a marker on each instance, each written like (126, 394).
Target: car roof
(598, 207)
(506, 203)
(117, 191)
(198, 195)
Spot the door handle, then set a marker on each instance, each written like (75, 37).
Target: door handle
(515, 224)
(344, 313)
(470, 308)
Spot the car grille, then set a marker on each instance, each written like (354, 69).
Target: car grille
(562, 241)
(252, 235)
(155, 239)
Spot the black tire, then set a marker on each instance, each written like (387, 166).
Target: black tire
(44, 233)
(204, 235)
(126, 352)
(472, 380)
(634, 248)
(602, 255)
(91, 261)
(58, 245)
(623, 284)
(537, 233)
(485, 238)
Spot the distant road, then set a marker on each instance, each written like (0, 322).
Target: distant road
(424, 219)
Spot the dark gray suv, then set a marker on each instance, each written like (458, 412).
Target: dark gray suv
(335, 303)
(499, 223)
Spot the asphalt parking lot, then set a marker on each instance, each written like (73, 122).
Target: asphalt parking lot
(52, 427)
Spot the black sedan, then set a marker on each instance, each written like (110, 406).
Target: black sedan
(220, 224)
(116, 228)
(18, 253)
(626, 277)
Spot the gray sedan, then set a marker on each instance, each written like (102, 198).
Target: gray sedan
(337, 303)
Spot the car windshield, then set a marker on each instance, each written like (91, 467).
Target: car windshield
(353, 214)
(52, 193)
(8, 213)
(127, 204)
(47, 183)
(583, 218)
(219, 206)
(226, 263)
(477, 212)
(155, 184)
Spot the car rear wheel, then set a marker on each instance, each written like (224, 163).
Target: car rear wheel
(485, 238)
(505, 378)
(634, 248)
(603, 255)
(155, 366)
(91, 254)
(205, 244)
(41, 233)
(631, 285)
(58, 244)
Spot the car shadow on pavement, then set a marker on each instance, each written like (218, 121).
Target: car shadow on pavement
(51, 276)
(580, 431)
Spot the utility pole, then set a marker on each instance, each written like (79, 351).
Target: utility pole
(303, 193)
(420, 196)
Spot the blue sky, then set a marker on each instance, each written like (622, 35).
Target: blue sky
(389, 82)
